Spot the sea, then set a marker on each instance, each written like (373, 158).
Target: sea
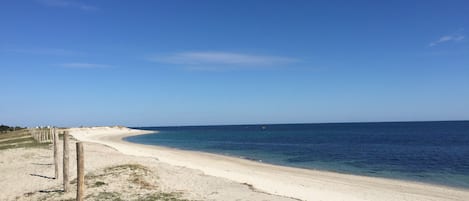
(431, 152)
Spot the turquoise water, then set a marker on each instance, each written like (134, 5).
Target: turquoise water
(434, 152)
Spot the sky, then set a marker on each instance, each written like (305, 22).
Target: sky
(174, 62)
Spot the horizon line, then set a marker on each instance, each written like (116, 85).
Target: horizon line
(255, 124)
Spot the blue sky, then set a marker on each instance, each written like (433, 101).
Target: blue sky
(158, 63)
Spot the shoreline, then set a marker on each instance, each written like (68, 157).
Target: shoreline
(28, 174)
(303, 184)
(403, 179)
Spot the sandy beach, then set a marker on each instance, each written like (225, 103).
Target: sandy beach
(235, 100)
(284, 181)
(27, 174)
(199, 176)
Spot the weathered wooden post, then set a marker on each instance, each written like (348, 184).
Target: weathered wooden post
(49, 135)
(42, 135)
(56, 155)
(65, 162)
(80, 172)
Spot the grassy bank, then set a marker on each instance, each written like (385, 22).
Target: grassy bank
(19, 139)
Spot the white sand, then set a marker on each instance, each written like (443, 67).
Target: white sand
(285, 181)
(25, 174)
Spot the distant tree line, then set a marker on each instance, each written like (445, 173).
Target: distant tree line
(5, 128)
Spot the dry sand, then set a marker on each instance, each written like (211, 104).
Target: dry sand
(26, 174)
(201, 176)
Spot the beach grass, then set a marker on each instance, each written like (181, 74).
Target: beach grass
(19, 139)
(13, 134)
(163, 197)
(138, 185)
(115, 196)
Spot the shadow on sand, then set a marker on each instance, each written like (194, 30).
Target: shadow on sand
(42, 176)
(42, 163)
(51, 191)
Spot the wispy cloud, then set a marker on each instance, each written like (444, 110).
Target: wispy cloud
(68, 4)
(448, 38)
(211, 60)
(84, 65)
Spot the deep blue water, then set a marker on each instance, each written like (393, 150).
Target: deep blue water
(435, 152)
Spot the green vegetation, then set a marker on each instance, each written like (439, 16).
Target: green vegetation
(131, 167)
(19, 139)
(114, 196)
(162, 197)
(4, 128)
(138, 172)
(136, 183)
(98, 184)
(135, 174)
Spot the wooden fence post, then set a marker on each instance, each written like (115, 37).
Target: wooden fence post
(42, 135)
(65, 162)
(56, 155)
(80, 172)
